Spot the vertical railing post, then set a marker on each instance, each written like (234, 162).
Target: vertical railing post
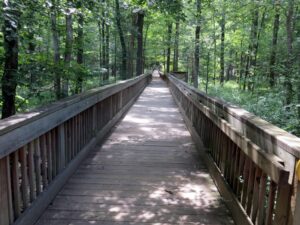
(296, 215)
(94, 120)
(61, 147)
(283, 200)
(5, 193)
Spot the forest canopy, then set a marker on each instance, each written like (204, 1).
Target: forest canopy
(246, 52)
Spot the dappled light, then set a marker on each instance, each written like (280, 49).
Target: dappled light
(147, 172)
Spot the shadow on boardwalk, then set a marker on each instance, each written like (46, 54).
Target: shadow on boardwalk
(147, 172)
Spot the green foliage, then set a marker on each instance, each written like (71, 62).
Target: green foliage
(267, 104)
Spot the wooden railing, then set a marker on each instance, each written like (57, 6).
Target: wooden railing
(252, 161)
(40, 150)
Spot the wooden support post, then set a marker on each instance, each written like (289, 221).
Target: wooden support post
(61, 147)
(296, 217)
(94, 120)
(5, 192)
(283, 200)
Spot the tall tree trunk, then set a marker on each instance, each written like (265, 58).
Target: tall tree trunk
(145, 45)
(104, 44)
(80, 43)
(69, 46)
(122, 40)
(176, 46)
(169, 39)
(100, 50)
(11, 48)
(276, 24)
(215, 48)
(131, 51)
(139, 52)
(289, 60)
(197, 43)
(251, 61)
(56, 48)
(207, 71)
(107, 39)
(222, 52)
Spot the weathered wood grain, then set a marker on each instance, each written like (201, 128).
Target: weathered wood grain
(148, 171)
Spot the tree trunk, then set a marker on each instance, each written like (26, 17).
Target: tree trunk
(207, 70)
(276, 24)
(145, 45)
(11, 48)
(107, 38)
(215, 48)
(197, 44)
(176, 46)
(68, 47)
(131, 51)
(289, 60)
(251, 61)
(222, 52)
(100, 50)
(139, 52)
(169, 47)
(56, 48)
(80, 43)
(122, 40)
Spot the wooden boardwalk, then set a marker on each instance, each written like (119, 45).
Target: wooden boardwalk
(146, 172)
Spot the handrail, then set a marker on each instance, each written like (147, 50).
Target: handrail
(256, 183)
(267, 136)
(42, 148)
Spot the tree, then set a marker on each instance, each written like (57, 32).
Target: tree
(139, 53)
(122, 40)
(169, 39)
(197, 43)
(69, 45)
(222, 52)
(80, 43)
(274, 43)
(11, 12)
(56, 48)
(289, 60)
(176, 45)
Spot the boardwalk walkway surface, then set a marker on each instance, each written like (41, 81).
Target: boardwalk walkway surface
(146, 172)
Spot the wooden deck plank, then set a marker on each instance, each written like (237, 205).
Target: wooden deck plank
(147, 172)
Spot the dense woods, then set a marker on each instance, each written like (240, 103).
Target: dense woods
(246, 52)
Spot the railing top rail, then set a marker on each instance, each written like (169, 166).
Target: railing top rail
(285, 140)
(19, 129)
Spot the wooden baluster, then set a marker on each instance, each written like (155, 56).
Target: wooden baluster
(24, 176)
(234, 163)
(61, 147)
(44, 161)
(283, 200)
(77, 134)
(67, 141)
(54, 152)
(262, 199)
(31, 172)
(250, 188)
(236, 168)
(246, 178)
(255, 198)
(240, 173)
(37, 166)
(49, 156)
(16, 184)
(72, 132)
(6, 211)
(271, 201)
(94, 121)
